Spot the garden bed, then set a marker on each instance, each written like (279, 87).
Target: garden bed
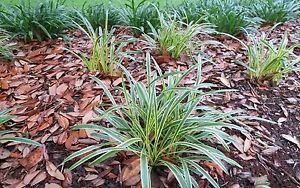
(51, 91)
(153, 95)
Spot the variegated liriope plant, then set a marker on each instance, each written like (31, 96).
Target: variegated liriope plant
(4, 134)
(162, 123)
(269, 62)
(107, 50)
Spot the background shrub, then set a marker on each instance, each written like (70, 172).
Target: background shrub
(228, 16)
(138, 15)
(6, 47)
(275, 11)
(47, 19)
(96, 15)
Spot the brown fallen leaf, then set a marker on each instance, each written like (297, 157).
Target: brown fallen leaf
(131, 170)
(4, 153)
(62, 121)
(29, 177)
(52, 90)
(225, 81)
(292, 139)
(133, 180)
(246, 157)
(53, 171)
(39, 178)
(214, 167)
(247, 144)
(52, 185)
(60, 90)
(270, 150)
(72, 139)
(239, 143)
(33, 158)
(62, 138)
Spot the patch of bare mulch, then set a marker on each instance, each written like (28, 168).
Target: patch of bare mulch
(52, 91)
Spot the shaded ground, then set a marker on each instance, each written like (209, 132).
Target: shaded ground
(53, 91)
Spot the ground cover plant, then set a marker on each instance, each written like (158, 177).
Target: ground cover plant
(276, 11)
(162, 129)
(47, 19)
(175, 37)
(107, 50)
(228, 16)
(268, 62)
(189, 12)
(138, 14)
(5, 135)
(6, 46)
(96, 15)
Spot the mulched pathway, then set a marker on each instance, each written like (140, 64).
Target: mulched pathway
(51, 91)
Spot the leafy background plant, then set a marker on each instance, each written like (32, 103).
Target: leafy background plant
(228, 16)
(138, 14)
(107, 51)
(175, 37)
(47, 19)
(96, 15)
(163, 128)
(275, 11)
(189, 12)
(5, 135)
(269, 62)
(6, 46)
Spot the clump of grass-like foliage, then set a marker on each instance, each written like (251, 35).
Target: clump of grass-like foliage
(47, 19)
(137, 15)
(107, 50)
(6, 46)
(275, 11)
(175, 37)
(268, 62)
(162, 124)
(5, 135)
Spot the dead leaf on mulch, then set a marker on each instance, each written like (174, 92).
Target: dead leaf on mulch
(53, 171)
(4, 153)
(292, 139)
(131, 171)
(33, 158)
(39, 178)
(52, 185)
(62, 121)
(214, 168)
(30, 176)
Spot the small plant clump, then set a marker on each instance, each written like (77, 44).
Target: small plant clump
(96, 15)
(47, 19)
(269, 63)
(174, 37)
(228, 16)
(138, 15)
(165, 128)
(5, 135)
(107, 51)
(275, 11)
(6, 47)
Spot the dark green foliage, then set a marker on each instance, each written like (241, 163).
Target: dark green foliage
(275, 11)
(47, 19)
(6, 47)
(189, 12)
(96, 15)
(137, 16)
(227, 15)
